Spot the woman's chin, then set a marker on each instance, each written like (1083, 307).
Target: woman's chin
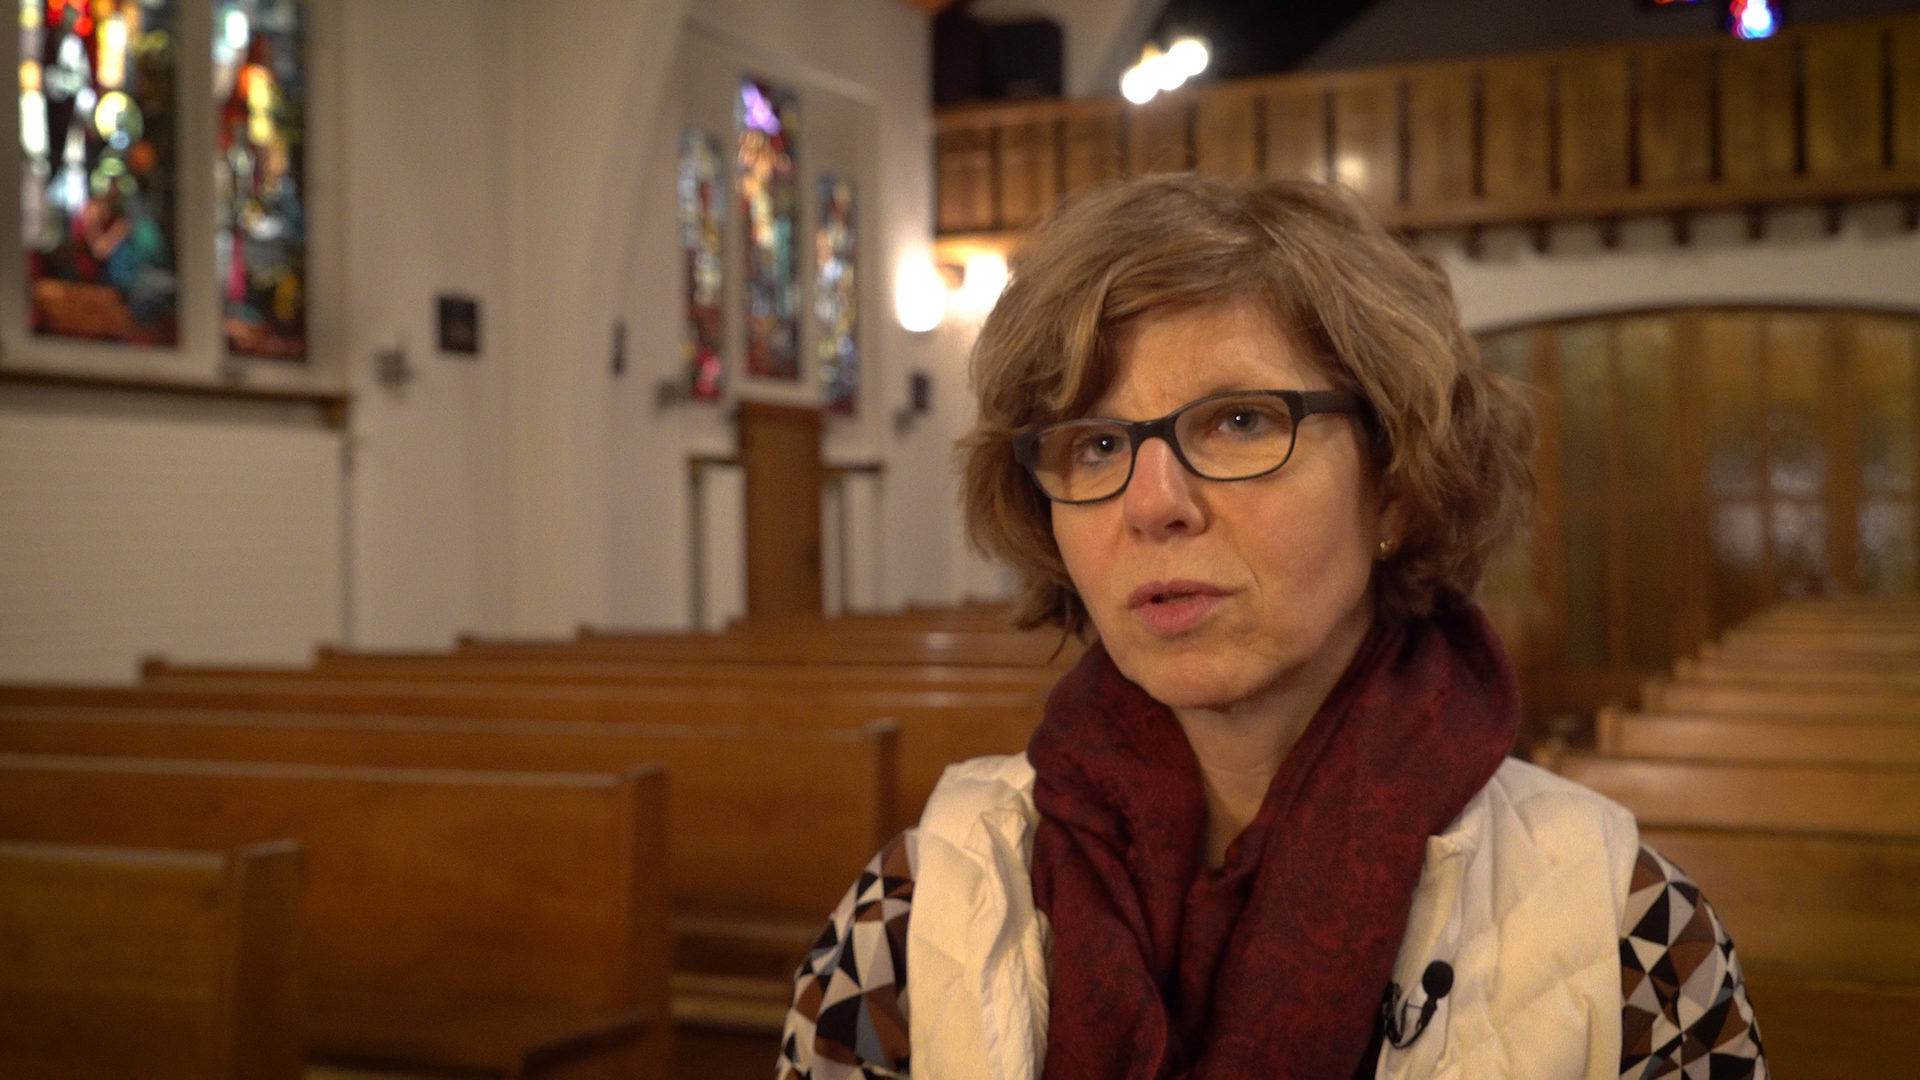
(1187, 682)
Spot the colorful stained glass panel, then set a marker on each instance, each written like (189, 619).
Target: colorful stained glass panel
(768, 204)
(833, 297)
(259, 175)
(99, 168)
(702, 200)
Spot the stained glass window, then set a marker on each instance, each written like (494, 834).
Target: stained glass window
(98, 160)
(260, 239)
(833, 296)
(768, 201)
(702, 210)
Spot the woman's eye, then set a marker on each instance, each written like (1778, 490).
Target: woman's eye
(1096, 447)
(1246, 421)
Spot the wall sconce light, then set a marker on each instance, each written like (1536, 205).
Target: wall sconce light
(919, 295)
(982, 281)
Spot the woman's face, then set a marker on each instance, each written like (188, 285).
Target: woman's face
(1219, 595)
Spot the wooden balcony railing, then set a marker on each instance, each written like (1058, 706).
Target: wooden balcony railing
(1824, 113)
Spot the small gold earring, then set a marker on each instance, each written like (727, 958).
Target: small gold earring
(1386, 549)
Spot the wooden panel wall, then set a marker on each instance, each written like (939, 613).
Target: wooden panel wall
(1820, 113)
(1698, 464)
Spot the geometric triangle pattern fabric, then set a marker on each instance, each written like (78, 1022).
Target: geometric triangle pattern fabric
(849, 1014)
(1685, 1013)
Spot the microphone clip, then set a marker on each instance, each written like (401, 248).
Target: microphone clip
(1436, 982)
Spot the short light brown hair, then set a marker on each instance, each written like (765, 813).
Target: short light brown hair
(1451, 439)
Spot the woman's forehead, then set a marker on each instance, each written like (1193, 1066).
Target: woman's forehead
(1163, 360)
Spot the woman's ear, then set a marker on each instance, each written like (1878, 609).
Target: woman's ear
(1393, 524)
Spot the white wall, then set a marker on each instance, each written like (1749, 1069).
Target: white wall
(486, 148)
(138, 524)
(1871, 262)
(425, 186)
(863, 107)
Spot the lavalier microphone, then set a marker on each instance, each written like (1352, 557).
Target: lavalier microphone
(1437, 982)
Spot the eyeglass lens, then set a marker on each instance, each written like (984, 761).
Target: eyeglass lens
(1226, 438)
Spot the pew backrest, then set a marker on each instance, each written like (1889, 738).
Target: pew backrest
(1824, 925)
(167, 965)
(1836, 906)
(764, 821)
(808, 646)
(1851, 799)
(1787, 739)
(393, 666)
(449, 917)
(1742, 698)
(936, 727)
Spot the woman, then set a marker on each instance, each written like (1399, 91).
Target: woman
(1267, 826)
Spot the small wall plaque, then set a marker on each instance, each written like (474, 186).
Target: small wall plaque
(460, 325)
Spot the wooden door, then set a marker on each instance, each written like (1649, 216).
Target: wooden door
(1696, 465)
(780, 451)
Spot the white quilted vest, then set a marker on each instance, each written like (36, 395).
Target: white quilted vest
(1522, 895)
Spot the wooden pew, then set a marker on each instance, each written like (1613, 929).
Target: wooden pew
(1858, 800)
(1748, 699)
(1785, 739)
(506, 923)
(769, 826)
(1029, 648)
(166, 965)
(1720, 669)
(1825, 929)
(449, 667)
(1839, 640)
(1820, 648)
(978, 618)
(936, 727)
(1816, 872)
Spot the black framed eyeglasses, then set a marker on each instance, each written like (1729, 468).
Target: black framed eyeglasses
(1233, 436)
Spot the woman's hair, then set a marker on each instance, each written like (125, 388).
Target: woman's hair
(1451, 439)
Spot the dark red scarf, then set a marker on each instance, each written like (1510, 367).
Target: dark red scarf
(1274, 964)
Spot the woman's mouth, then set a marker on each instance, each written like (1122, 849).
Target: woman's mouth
(1173, 607)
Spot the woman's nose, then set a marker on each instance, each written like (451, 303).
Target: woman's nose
(1162, 498)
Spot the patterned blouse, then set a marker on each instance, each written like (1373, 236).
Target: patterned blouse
(1685, 1016)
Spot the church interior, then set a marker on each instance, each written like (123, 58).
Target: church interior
(459, 618)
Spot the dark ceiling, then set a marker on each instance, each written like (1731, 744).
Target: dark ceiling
(1257, 37)
(978, 61)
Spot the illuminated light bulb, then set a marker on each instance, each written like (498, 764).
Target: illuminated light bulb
(1190, 55)
(1351, 170)
(1753, 18)
(919, 296)
(1138, 85)
(1167, 74)
(984, 281)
